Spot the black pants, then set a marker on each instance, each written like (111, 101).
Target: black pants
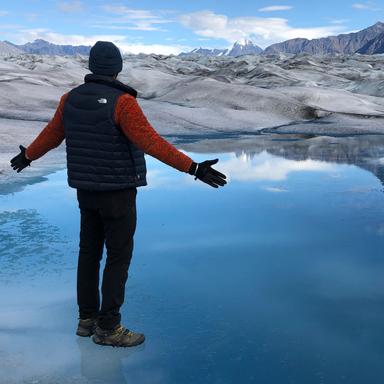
(108, 217)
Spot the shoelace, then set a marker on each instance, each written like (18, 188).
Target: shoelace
(123, 331)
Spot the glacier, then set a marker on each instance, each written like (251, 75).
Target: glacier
(197, 95)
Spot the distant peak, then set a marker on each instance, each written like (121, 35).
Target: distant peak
(244, 41)
(379, 24)
(40, 41)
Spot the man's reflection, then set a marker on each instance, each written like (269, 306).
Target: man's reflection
(103, 365)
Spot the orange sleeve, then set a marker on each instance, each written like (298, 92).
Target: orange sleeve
(51, 136)
(130, 117)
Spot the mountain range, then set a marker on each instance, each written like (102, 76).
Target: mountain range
(240, 47)
(368, 41)
(43, 47)
(344, 44)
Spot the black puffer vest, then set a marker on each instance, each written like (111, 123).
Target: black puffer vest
(99, 156)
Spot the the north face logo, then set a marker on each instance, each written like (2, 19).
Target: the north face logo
(102, 101)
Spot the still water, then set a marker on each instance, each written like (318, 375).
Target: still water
(275, 279)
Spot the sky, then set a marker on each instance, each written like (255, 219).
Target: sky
(171, 27)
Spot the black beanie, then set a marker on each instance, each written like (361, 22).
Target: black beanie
(105, 59)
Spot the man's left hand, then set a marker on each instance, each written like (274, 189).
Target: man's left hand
(204, 172)
(19, 162)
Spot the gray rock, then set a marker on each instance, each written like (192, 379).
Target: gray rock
(206, 52)
(341, 44)
(374, 46)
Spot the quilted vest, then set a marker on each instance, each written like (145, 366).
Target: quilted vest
(99, 156)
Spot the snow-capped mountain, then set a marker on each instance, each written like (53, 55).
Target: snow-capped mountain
(240, 48)
(244, 47)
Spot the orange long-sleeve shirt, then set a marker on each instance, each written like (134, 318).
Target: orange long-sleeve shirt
(132, 121)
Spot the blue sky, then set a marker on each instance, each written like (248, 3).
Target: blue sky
(173, 26)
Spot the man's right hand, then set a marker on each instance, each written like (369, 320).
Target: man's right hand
(204, 172)
(20, 161)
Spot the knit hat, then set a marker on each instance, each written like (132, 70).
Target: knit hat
(105, 58)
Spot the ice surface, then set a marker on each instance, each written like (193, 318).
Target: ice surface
(13, 133)
(253, 91)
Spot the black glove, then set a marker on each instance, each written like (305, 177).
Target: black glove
(19, 162)
(204, 172)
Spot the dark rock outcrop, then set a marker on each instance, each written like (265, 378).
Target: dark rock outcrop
(343, 44)
(374, 46)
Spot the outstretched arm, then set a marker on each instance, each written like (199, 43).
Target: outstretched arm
(130, 117)
(50, 137)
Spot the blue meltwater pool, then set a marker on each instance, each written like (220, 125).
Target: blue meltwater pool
(277, 278)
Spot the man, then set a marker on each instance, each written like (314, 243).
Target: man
(106, 135)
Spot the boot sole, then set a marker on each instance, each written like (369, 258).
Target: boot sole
(99, 341)
(84, 332)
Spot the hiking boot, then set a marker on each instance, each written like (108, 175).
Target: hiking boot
(117, 337)
(86, 327)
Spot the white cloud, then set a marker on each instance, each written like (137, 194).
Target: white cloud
(263, 31)
(266, 167)
(275, 189)
(129, 12)
(31, 34)
(132, 19)
(137, 27)
(26, 35)
(70, 6)
(274, 8)
(368, 6)
(154, 48)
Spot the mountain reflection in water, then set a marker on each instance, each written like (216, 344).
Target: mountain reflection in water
(364, 151)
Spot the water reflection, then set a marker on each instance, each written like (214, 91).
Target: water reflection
(101, 365)
(366, 151)
(245, 167)
(29, 246)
